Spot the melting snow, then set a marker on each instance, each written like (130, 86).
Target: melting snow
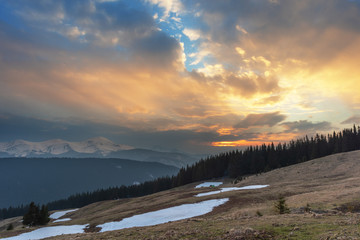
(147, 219)
(62, 220)
(228, 189)
(49, 232)
(59, 214)
(165, 215)
(209, 184)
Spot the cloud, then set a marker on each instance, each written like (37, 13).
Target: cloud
(247, 85)
(192, 34)
(160, 49)
(352, 120)
(306, 126)
(261, 119)
(168, 6)
(101, 23)
(289, 40)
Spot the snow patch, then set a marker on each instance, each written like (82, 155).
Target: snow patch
(209, 184)
(165, 215)
(228, 189)
(62, 220)
(59, 214)
(48, 232)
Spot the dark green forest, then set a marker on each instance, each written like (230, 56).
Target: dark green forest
(233, 164)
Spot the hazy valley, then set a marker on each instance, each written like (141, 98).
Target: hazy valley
(42, 180)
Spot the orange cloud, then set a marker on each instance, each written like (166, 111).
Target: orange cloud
(263, 138)
(238, 143)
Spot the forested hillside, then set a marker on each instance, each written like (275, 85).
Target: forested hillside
(235, 164)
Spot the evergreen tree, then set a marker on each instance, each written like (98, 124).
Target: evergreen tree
(44, 215)
(32, 216)
(10, 227)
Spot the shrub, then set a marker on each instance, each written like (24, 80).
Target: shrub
(10, 227)
(258, 213)
(281, 206)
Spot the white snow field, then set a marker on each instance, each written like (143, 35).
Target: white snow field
(59, 214)
(165, 215)
(62, 220)
(209, 184)
(46, 232)
(228, 189)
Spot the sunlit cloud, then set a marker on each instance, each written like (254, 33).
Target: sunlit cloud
(238, 143)
(240, 51)
(192, 34)
(168, 6)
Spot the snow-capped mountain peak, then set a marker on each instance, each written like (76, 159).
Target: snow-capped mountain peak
(22, 148)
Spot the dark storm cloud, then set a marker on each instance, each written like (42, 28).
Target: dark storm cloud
(261, 119)
(108, 16)
(305, 125)
(82, 23)
(158, 47)
(118, 16)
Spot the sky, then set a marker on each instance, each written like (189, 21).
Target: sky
(197, 76)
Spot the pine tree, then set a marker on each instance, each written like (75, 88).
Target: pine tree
(10, 227)
(32, 216)
(44, 215)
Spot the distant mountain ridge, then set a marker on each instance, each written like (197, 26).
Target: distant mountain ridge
(98, 147)
(22, 148)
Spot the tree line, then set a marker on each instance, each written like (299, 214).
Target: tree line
(233, 164)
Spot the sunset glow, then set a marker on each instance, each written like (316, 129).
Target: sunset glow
(195, 76)
(239, 143)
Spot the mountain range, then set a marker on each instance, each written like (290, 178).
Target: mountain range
(98, 147)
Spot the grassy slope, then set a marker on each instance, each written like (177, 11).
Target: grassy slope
(324, 184)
